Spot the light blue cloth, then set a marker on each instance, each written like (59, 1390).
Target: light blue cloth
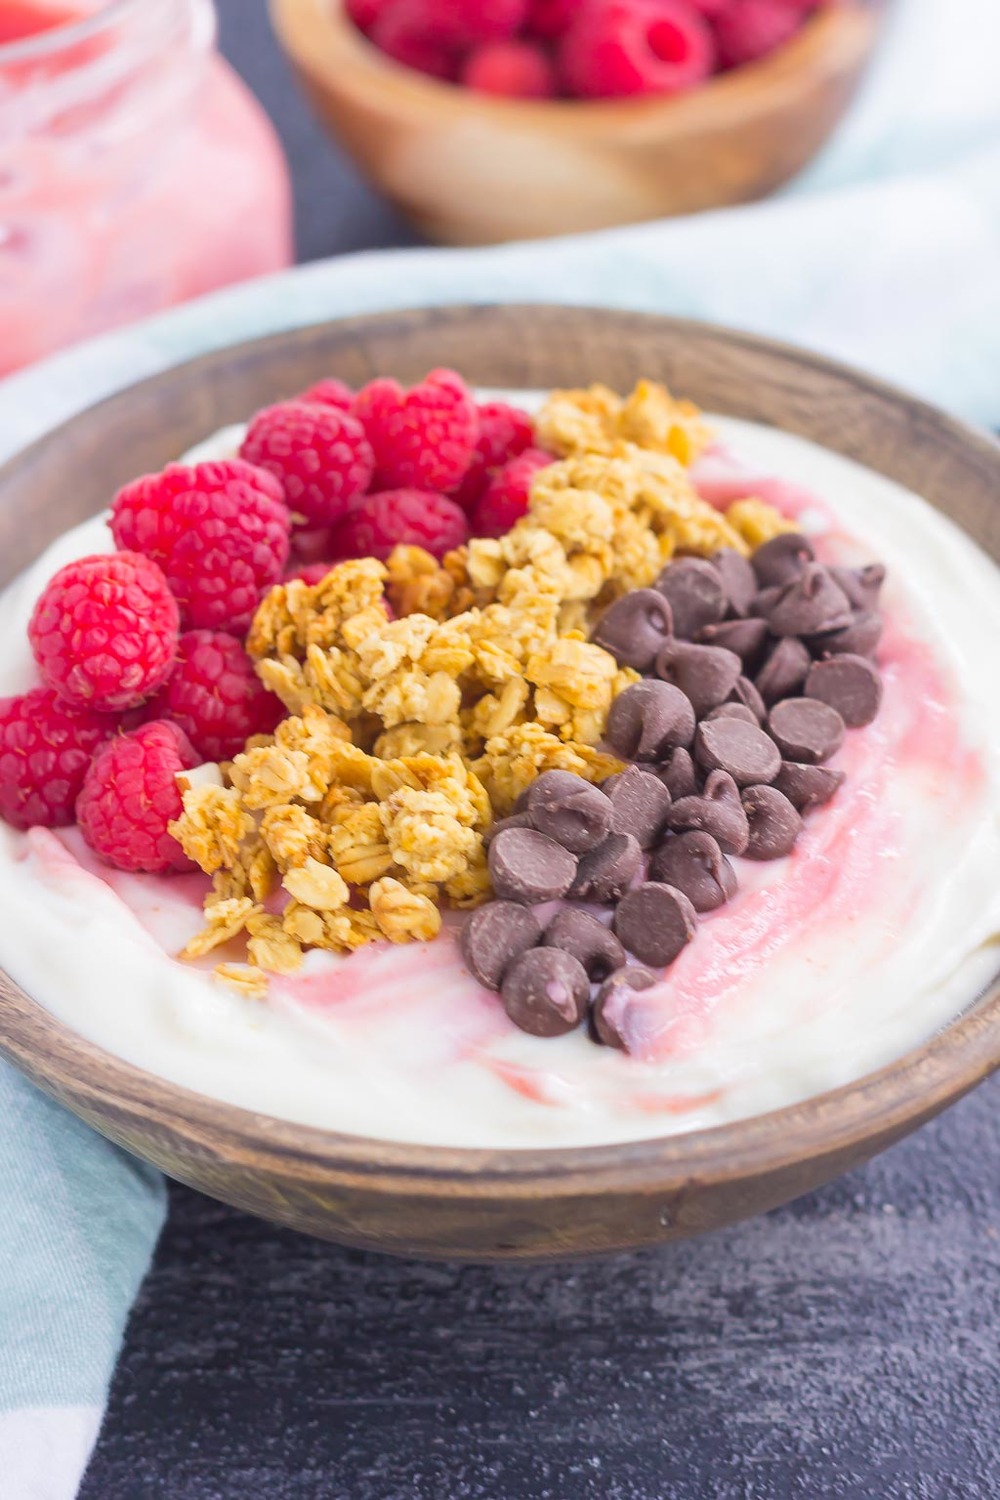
(885, 253)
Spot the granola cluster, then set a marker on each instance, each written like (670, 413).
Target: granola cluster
(412, 727)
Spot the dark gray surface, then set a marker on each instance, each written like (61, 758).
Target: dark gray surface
(843, 1347)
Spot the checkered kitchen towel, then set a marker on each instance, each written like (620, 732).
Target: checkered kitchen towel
(886, 253)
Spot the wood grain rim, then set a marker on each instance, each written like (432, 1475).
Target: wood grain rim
(750, 377)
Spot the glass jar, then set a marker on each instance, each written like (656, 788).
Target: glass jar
(136, 170)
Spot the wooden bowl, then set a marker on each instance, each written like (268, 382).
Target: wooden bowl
(468, 169)
(489, 1204)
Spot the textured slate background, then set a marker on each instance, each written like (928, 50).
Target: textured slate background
(846, 1346)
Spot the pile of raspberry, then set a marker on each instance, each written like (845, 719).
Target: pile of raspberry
(140, 653)
(578, 49)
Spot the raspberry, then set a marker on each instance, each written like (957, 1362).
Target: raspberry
(415, 518)
(310, 573)
(504, 432)
(423, 438)
(45, 749)
(218, 530)
(550, 18)
(754, 28)
(328, 393)
(319, 455)
(506, 496)
(215, 695)
(130, 794)
(512, 70)
(104, 632)
(364, 13)
(408, 44)
(621, 47)
(454, 25)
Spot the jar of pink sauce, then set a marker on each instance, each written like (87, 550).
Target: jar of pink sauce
(136, 171)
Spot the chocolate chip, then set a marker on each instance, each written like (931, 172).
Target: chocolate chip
(655, 922)
(516, 820)
(588, 940)
(527, 866)
(639, 805)
(648, 720)
(717, 811)
(774, 823)
(860, 638)
(607, 871)
(733, 711)
(781, 560)
(744, 750)
(744, 692)
(745, 637)
(738, 579)
(545, 992)
(680, 775)
(785, 670)
(569, 810)
(610, 1015)
(848, 684)
(694, 863)
(695, 593)
(811, 603)
(706, 675)
(805, 729)
(807, 786)
(634, 628)
(764, 602)
(861, 585)
(494, 936)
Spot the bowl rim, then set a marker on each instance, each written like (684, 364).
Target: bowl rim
(764, 79)
(882, 1105)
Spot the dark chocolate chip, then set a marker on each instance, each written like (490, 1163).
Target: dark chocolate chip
(694, 863)
(717, 811)
(764, 602)
(695, 593)
(860, 638)
(706, 675)
(805, 729)
(545, 992)
(590, 942)
(527, 866)
(655, 922)
(648, 720)
(570, 810)
(848, 684)
(785, 670)
(639, 805)
(744, 750)
(733, 711)
(781, 560)
(746, 693)
(774, 823)
(861, 585)
(738, 579)
(610, 1015)
(494, 936)
(516, 820)
(680, 775)
(745, 637)
(607, 871)
(807, 786)
(634, 628)
(811, 603)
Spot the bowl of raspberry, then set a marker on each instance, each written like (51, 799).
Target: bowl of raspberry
(520, 119)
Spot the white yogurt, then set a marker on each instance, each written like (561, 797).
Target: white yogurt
(880, 928)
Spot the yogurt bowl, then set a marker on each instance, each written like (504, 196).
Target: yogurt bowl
(499, 1189)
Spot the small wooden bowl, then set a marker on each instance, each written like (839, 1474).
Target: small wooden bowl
(490, 1204)
(469, 169)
